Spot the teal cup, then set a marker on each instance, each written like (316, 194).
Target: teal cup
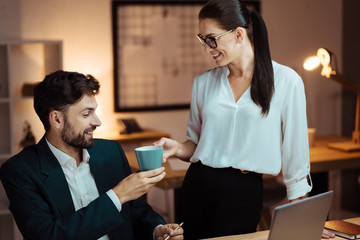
(149, 157)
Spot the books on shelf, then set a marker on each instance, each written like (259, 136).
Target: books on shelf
(343, 229)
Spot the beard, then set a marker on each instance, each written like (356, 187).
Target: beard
(70, 137)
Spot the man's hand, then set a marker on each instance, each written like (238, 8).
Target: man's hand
(161, 232)
(137, 184)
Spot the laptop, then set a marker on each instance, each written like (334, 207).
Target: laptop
(301, 220)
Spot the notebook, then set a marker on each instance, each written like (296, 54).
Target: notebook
(301, 220)
(344, 229)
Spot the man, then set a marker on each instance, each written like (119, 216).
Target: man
(70, 186)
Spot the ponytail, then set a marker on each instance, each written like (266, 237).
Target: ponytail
(262, 84)
(232, 14)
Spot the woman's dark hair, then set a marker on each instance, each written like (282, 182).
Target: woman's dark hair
(233, 13)
(60, 89)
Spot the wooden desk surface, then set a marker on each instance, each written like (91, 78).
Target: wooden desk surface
(322, 159)
(263, 235)
(146, 135)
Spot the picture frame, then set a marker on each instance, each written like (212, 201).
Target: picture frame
(156, 55)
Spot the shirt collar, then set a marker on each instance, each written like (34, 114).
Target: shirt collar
(63, 158)
(226, 70)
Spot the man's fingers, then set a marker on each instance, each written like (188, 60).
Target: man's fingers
(173, 230)
(152, 173)
(157, 178)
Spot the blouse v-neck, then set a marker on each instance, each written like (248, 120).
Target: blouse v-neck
(226, 81)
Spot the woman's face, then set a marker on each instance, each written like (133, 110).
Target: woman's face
(224, 53)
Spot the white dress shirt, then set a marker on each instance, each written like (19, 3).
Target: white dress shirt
(81, 181)
(236, 134)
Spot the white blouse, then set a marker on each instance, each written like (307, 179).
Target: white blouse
(236, 134)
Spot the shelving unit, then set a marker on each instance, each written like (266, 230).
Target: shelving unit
(21, 62)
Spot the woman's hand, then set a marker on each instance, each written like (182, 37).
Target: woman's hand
(327, 234)
(171, 147)
(184, 150)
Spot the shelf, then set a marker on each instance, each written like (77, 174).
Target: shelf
(4, 84)
(4, 100)
(21, 62)
(4, 203)
(5, 132)
(18, 99)
(23, 42)
(4, 209)
(36, 59)
(4, 156)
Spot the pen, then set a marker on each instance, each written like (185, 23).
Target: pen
(175, 230)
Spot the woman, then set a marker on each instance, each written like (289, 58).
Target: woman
(247, 118)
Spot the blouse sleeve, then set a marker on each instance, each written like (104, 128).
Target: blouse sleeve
(295, 154)
(194, 122)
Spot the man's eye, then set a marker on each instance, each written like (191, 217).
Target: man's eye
(86, 114)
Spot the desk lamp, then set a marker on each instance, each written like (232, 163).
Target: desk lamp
(324, 58)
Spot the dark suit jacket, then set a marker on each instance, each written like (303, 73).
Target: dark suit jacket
(41, 203)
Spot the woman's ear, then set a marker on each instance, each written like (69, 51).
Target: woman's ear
(56, 119)
(240, 34)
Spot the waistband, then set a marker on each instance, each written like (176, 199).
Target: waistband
(226, 169)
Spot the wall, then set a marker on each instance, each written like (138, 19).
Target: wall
(351, 50)
(297, 28)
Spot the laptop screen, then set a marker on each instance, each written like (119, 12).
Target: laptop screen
(303, 219)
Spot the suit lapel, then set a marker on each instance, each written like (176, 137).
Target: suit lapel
(101, 172)
(54, 179)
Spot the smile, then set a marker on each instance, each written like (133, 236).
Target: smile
(215, 55)
(89, 133)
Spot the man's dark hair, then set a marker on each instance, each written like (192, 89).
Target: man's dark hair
(60, 89)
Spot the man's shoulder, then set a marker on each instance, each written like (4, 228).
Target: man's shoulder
(105, 146)
(99, 142)
(22, 160)
(103, 141)
(28, 152)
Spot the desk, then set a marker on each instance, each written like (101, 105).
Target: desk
(146, 135)
(322, 159)
(133, 140)
(263, 235)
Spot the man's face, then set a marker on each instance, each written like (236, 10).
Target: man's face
(79, 123)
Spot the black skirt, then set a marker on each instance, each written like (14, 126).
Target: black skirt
(219, 201)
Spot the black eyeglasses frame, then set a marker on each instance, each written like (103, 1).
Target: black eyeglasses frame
(209, 39)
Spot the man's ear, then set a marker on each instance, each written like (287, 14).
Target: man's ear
(56, 119)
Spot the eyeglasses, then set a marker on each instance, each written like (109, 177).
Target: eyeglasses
(211, 41)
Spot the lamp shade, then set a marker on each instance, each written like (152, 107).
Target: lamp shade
(311, 63)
